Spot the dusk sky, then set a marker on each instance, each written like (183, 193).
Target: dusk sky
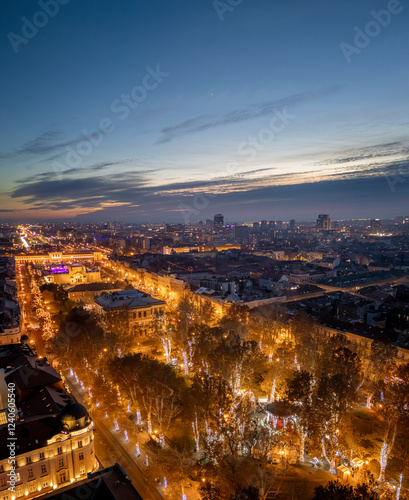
(259, 109)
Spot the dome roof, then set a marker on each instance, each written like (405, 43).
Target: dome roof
(73, 416)
(24, 339)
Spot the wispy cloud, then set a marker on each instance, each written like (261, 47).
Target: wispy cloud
(377, 151)
(204, 122)
(97, 167)
(46, 143)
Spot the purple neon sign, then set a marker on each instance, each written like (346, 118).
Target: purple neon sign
(59, 270)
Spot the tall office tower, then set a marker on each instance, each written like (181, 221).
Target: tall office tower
(218, 221)
(279, 224)
(263, 226)
(292, 225)
(256, 227)
(241, 232)
(271, 224)
(323, 222)
(375, 226)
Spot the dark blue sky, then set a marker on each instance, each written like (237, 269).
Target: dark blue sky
(173, 111)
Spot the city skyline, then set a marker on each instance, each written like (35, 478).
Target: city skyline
(155, 113)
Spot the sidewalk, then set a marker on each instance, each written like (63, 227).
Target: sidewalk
(129, 448)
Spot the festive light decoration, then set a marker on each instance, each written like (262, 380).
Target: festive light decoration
(167, 346)
(146, 461)
(126, 436)
(196, 433)
(273, 392)
(399, 487)
(302, 446)
(185, 363)
(165, 483)
(116, 425)
(162, 440)
(138, 418)
(383, 460)
(149, 427)
(138, 451)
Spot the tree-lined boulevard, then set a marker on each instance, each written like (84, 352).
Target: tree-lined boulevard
(238, 403)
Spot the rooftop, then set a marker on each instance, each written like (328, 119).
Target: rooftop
(132, 299)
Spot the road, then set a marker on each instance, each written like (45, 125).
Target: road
(106, 439)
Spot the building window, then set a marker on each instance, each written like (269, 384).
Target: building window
(61, 463)
(5, 496)
(32, 487)
(139, 314)
(43, 469)
(45, 482)
(79, 444)
(63, 477)
(1, 468)
(59, 449)
(81, 456)
(82, 469)
(42, 455)
(28, 460)
(30, 473)
(144, 314)
(3, 481)
(19, 491)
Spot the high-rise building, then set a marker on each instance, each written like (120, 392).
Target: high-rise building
(292, 225)
(375, 226)
(241, 232)
(209, 224)
(218, 221)
(323, 222)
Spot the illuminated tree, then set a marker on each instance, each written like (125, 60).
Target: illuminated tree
(151, 385)
(300, 392)
(391, 402)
